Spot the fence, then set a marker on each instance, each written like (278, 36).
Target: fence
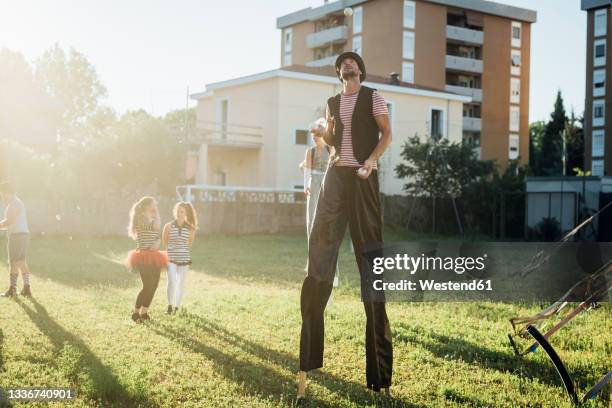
(503, 217)
(247, 210)
(220, 210)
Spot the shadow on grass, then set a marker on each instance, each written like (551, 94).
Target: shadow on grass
(81, 262)
(278, 259)
(89, 269)
(86, 366)
(258, 379)
(507, 362)
(455, 396)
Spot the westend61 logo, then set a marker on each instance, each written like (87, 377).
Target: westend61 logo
(412, 264)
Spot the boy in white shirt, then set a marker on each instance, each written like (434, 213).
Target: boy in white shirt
(16, 223)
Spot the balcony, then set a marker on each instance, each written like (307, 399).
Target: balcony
(472, 124)
(464, 35)
(228, 135)
(463, 64)
(323, 61)
(331, 35)
(474, 93)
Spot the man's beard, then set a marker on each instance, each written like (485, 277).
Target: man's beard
(350, 74)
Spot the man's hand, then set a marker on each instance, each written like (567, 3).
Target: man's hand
(368, 165)
(307, 191)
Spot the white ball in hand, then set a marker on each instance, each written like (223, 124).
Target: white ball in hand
(348, 11)
(362, 171)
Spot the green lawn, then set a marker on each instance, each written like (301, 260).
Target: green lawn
(236, 342)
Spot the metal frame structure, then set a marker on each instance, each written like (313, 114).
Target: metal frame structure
(568, 383)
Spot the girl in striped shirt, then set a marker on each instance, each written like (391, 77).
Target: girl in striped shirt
(146, 258)
(178, 238)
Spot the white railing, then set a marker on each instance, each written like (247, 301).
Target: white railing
(322, 62)
(475, 93)
(472, 124)
(214, 193)
(464, 34)
(331, 35)
(463, 64)
(228, 134)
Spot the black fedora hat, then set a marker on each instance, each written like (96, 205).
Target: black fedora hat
(354, 56)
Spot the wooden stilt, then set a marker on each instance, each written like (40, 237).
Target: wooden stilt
(301, 384)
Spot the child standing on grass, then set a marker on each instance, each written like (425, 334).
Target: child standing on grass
(147, 259)
(178, 237)
(16, 223)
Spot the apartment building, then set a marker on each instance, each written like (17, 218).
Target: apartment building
(475, 48)
(253, 131)
(597, 117)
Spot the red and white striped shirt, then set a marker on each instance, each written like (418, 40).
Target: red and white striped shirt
(347, 106)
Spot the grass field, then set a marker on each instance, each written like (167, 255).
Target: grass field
(235, 344)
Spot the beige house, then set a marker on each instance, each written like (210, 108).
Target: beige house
(253, 130)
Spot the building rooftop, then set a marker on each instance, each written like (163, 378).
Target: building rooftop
(328, 75)
(591, 4)
(483, 6)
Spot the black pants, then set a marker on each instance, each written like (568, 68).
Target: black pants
(346, 199)
(150, 279)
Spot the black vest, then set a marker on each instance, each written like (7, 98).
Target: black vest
(364, 128)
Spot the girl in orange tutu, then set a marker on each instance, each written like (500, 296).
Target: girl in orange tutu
(147, 259)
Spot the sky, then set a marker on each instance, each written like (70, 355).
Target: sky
(148, 53)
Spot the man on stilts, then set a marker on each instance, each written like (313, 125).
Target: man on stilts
(359, 130)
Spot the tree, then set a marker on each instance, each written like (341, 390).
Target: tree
(536, 134)
(29, 170)
(182, 123)
(574, 144)
(27, 113)
(137, 152)
(73, 85)
(440, 169)
(552, 142)
(99, 151)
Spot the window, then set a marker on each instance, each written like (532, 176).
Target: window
(408, 72)
(600, 22)
(409, 13)
(301, 137)
(472, 138)
(221, 177)
(597, 168)
(408, 45)
(436, 121)
(288, 38)
(598, 112)
(514, 118)
(513, 147)
(357, 19)
(597, 143)
(599, 82)
(357, 44)
(287, 60)
(515, 62)
(516, 34)
(223, 117)
(599, 52)
(515, 90)
(287, 45)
